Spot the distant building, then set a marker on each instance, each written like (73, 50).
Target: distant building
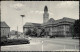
(13, 32)
(5, 29)
(31, 26)
(61, 27)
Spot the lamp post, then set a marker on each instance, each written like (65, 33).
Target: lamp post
(22, 20)
(42, 45)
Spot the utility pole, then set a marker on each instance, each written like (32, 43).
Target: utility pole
(17, 31)
(42, 45)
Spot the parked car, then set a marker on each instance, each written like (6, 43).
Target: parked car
(18, 40)
(15, 41)
(53, 36)
(27, 37)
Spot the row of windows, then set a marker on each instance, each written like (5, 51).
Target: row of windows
(59, 33)
(5, 31)
(59, 28)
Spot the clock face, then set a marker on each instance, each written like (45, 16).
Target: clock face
(46, 15)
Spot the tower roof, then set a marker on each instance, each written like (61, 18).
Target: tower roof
(45, 8)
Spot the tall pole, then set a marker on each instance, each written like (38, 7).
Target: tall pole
(42, 45)
(17, 31)
(22, 21)
(22, 18)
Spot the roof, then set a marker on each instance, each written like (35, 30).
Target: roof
(36, 24)
(28, 24)
(65, 19)
(3, 24)
(45, 8)
(52, 21)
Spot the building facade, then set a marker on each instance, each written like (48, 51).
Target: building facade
(5, 29)
(61, 27)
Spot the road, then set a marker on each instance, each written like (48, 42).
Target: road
(48, 44)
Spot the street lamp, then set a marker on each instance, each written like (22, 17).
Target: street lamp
(22, 19)
(42, 45)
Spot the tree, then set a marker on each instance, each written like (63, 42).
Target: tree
(72, 31)
(34, 32)
(38, 32)
(42, 32)
(28, 32)
(76, 28)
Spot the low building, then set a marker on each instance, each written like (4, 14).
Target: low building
(5, 29)
(13, 32)
(30, 26)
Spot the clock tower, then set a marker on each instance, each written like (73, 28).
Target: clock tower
(45, 15)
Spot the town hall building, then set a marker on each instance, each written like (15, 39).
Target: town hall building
(61, 27)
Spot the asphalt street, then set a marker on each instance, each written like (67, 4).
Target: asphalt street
(45, 44)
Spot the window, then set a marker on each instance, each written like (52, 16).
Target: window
(3, 32)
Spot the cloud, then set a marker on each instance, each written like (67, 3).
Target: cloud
(17, 6)
(37, 12)
(40, 12)
(68, 4)
(50, 13)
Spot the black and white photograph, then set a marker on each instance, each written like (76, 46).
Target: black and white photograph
(39, 25)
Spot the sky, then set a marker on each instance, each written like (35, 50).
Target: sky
(33, 11)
